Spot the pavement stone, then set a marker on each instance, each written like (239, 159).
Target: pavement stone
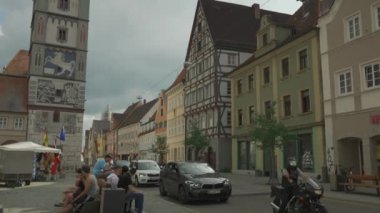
(247, 184)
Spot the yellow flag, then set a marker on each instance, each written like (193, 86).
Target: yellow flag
(45, 139)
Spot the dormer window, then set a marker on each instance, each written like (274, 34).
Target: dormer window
(265, 39)
(199, 27)
(63, 4)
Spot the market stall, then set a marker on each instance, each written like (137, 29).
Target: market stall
(17, 161)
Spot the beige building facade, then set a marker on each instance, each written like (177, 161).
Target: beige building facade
(175, 120)
(284, 74)
(350, 35)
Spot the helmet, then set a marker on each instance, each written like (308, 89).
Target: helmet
(292, 163)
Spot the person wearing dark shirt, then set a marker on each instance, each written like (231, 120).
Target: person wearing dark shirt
(289, 182)
(133, 193)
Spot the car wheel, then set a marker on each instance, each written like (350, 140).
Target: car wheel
(182, 195)
(224, 199)
(162, 189)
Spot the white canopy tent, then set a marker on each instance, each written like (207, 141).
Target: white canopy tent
(28, 146)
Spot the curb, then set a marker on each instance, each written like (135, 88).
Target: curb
(250, 194)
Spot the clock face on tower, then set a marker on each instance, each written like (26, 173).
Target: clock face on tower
(59, 63)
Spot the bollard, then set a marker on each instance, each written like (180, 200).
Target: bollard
(1, 209)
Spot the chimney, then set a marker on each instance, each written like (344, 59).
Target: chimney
(256, 10)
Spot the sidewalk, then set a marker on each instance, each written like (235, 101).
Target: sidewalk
(244, 184)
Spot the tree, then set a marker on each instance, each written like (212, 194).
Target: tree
(197, 140)
(269, 134)
(160, 148)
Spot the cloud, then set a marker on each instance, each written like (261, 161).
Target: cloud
(135, 47)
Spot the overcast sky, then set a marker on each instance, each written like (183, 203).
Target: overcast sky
(136, 47)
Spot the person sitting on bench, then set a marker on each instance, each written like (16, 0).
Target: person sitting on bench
(133, 193)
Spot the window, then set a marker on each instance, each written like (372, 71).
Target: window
(231, 59)
(250, 82)
(56, 117)
(353, 27)
(302, 56)
(377, 16)
(302, 150)
(240, 117)
(265, 39)
(287, 106)
(210, 119)
(251, 114)
(285, 67)
(199, 27)
(372, 75)
(62, 35)
(199, 45)
(239, 86)
(229, 88)
(3, 122)
(305, 101)
(268, 109)
(246, 155)
(63, 4)
(18, 123)
(345, 82)
(162, 112)
(266, 75)
(228, 117)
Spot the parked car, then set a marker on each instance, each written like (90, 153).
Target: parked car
(122, 163)
(147, 172)
(193, 181)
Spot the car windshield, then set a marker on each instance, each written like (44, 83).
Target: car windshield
(195, 168)
(147, 166)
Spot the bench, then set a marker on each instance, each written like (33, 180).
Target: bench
(367, 181)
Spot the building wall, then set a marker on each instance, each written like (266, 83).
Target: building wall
(57, 74)
(207, 98)
(128, 140)
(356, 109)
(10, 131)
(176, 124)
(299, 123)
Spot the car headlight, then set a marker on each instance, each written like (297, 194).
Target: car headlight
(142, 174)
(193, 185)
(227, 182)
(318, 192)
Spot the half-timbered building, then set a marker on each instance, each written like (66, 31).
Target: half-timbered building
(223, 36)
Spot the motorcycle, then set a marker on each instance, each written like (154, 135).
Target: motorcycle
(305, 199)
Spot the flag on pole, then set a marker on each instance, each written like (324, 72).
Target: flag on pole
(45, 139)
(62, 135)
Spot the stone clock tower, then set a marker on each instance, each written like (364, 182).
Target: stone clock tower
(57, 75)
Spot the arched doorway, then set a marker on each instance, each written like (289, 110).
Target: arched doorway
(350, 155)
(375, 155)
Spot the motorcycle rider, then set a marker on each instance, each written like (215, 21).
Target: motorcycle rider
(289, 182)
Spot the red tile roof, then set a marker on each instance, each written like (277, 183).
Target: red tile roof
(19, 65)
(180, 78)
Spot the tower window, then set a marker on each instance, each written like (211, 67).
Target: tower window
(63, 4)
(62, 35)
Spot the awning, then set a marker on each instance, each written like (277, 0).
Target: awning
(28, 146)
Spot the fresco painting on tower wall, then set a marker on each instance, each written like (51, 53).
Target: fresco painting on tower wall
(59, 63)
(65, 93)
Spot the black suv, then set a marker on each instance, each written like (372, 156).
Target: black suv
(193, 181)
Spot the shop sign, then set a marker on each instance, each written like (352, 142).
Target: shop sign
(375, 119)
